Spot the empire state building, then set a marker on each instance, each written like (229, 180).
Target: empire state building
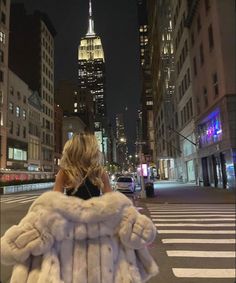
(91, 71)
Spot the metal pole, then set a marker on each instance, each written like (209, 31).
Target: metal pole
(143, 195)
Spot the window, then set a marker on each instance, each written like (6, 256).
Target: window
(11, 127)
(191, 107)
(11, 90)
(1, 56)
(24, 132)
(188, 76)
(195, 66)
(24, 114)
(201, 54)
(18, 95)
(215, 84)
(1, 97)
(199, 26)
(24, 99)
(210, 37)
(2, 37)
(18, 130)
(1, 76)
(11, 107)
(205, 97)
(3, 18)
(17, 111)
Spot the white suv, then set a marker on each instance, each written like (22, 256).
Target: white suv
(125, 184)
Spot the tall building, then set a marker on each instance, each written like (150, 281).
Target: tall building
(212, 30)
(31, 57)
(91, 69)
(162, 69)
(4, 40)
(182, 127)
(121, 142)
(146, 101)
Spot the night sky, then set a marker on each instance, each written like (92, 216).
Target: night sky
(116, 23)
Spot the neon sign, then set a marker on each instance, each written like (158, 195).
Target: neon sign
(210, 130)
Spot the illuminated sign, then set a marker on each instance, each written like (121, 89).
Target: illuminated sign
(144, 169)
(210, 130)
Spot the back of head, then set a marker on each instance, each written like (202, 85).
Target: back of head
(81, 158)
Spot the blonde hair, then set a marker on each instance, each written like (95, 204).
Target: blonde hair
(82, 159)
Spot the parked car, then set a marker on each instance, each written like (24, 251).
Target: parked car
(125, 184)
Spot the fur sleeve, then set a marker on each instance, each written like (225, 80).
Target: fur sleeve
(136, 230)
(35, 235)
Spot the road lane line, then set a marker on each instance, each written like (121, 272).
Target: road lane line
(192, 219)
(195, 225)
(204, 272)
(198, 241)
(226, 232)
(215, 254)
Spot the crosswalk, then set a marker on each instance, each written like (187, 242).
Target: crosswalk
(199, 239)
(19, 198)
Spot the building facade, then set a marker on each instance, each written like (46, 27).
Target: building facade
(212, 30)
(32, 37)
(4, 41)
(162, 69)
(183, 128)
(18, 120)
(34, 133)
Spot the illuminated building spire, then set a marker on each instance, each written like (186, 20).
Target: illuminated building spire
(90, 31)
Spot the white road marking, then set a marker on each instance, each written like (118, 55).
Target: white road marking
(193, 219)
(192, 215)
(196, 232)
(182, 253)
(196, 225)
(204, 272)
(26, 199)
(198, 241)
(191, 209)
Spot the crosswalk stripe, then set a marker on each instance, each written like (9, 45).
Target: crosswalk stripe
(191, 215)
(204, 272)
(28, 200)
(196, 231)
(22, 200)
(198, 241)
(182, 253)
(192, 219)
(195, 225)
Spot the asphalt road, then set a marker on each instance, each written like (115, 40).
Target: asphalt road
(196, 231)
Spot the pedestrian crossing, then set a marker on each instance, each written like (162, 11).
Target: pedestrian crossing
(196, 238)
(19, 198)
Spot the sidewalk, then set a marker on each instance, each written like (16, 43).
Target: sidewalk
(173, 192)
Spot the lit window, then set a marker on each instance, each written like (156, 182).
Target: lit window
(24, 114)
(75, 110)
(17, 111)
(69, 135)
(75, 104)
(11, 107)
(2, 37)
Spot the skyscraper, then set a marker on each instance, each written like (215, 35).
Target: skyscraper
(31, 57)
(91, 71)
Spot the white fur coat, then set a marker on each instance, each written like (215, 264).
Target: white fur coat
(68, 240)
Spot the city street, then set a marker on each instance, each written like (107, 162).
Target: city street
(195, 231)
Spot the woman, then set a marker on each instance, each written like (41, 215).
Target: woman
(81, 173)
(84, 238)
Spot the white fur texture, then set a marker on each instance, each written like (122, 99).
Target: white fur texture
(68, 240)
